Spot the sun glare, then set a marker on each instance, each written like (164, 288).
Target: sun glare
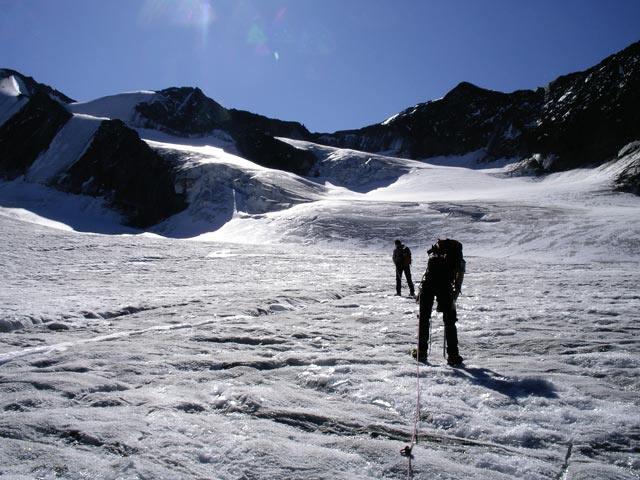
(190, 13)
(265, 33)
(194, 14)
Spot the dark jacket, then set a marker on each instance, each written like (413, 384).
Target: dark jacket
(444, 273)
(402, 256)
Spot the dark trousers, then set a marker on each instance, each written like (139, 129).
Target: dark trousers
(407, 274)
(448, 309)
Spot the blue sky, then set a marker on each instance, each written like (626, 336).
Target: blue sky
(330, 64)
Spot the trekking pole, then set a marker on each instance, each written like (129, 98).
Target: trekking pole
(429, 349)
(444, 346)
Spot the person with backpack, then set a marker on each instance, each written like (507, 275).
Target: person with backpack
(442, 281)
(402, 261)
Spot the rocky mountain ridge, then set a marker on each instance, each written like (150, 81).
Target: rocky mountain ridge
(581, 119)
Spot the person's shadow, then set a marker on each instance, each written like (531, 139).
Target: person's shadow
(511, 387)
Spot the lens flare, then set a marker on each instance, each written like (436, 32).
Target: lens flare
(263, 36)
(256, 36)
(188, 13)
(279, 17)
(265, 30)
(192, 14)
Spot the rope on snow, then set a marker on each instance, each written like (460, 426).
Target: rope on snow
(407, 451)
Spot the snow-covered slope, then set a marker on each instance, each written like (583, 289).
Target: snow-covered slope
(98, 148)
(121, 106)
(366, 199)
(219, 185)
(10, 100)
(65, 149)
(255, 334)
(570, 216)
(186, 112)
(276, 348)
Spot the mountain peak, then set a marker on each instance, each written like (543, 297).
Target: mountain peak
(183, 110)
(465, 89)
(31, 86)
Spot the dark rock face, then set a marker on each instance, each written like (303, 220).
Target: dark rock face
(29, 132)
(242, 120)
(629, 179)
(34, 87)
(589, 116)
(579, 119)
(118, 165)
(255, 139)
(269, 152)
(467, 119)
(187, 112)
(183, 112)
(121, 167)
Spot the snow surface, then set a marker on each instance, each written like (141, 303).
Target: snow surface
(274, 348)
(120, 106)
(66, 148)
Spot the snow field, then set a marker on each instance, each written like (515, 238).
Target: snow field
(172, 359)
(271, 345)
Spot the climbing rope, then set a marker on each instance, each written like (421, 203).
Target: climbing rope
(407, 451)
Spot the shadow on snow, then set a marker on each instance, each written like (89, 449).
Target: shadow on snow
(510, 387)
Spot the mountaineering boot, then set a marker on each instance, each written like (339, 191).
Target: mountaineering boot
(454, 360)
(420, 356)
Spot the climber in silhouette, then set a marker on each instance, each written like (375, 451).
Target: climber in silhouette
(442, 281)
(402, 260)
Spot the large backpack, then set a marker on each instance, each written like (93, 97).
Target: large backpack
(406, 256)
(452, 249)
(447, 266)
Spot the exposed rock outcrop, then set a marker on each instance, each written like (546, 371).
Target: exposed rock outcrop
(581, 119)
(629, 178)
(578, 120)
(187, 112)
(270, 152)
(29, 132)
(121, 167)
(32, 86)
(183, 112)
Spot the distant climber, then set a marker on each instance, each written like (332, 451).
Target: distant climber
(402, 261)
(441, 281)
